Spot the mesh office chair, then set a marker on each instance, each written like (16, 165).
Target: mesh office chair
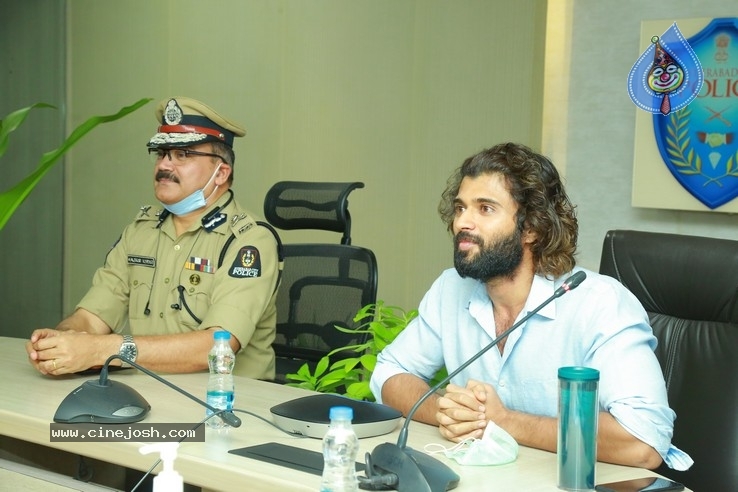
(323, 284)
(689, 287)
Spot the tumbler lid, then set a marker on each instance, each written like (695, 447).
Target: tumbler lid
(579, 373)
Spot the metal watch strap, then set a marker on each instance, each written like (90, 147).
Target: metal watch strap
(126, 340)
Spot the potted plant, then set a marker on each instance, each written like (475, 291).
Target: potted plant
(381, 324)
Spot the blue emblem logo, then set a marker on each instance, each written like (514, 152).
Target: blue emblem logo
(697, 142)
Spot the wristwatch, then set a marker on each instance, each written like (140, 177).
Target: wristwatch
(128, 349)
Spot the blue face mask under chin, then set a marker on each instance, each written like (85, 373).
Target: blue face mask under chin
(194, 201)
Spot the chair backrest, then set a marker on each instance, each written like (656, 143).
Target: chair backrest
(323, 284)
(310, 205)
(689, 287)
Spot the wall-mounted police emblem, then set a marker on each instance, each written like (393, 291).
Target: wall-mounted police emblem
(172, 113)
(697, 142)
(246, 264)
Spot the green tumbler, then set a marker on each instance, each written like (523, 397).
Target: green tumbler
(577, 437)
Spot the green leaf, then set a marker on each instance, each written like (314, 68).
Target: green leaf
(322, 366)
(360, 391)
(13, 121)
(369, 361)
(11, 199)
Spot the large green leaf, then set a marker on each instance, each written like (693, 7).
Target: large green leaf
(12, 198)
(13, 121)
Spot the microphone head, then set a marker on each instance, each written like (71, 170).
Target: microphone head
(571, 283)
(230, 419)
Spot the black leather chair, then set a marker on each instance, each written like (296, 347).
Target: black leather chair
(689, 287)
(323, 284)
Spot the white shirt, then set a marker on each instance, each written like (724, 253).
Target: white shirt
(600, 324)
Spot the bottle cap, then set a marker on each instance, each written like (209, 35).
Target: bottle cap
(578, 373)
(222, 335)
(341, 413)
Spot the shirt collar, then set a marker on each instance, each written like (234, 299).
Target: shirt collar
(540, 290)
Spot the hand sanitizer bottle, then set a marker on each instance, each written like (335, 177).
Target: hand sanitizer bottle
(168, 480)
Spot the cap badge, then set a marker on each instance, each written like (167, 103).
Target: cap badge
(172, 113)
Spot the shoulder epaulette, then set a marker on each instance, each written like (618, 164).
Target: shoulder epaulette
(147, 212)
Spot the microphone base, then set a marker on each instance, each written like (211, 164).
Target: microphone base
(416, 471)
(109, 403)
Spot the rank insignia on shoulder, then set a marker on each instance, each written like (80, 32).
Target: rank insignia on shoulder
(210, 223)
(246, 264)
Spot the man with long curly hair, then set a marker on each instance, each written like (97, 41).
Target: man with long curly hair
(515, 237)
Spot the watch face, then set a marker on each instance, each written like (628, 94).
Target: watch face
(128, 350)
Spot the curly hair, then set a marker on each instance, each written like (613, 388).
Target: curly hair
(543, 206)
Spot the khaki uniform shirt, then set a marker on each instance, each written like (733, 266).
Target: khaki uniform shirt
(163, 284)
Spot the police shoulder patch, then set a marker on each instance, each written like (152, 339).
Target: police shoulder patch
(246, 264)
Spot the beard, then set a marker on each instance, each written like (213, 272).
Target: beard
(498, 259)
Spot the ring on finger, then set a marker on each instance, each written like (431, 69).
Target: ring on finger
(53, 363)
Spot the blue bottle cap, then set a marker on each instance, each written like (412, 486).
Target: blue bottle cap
(341, 413)
(222, 335)
(578, 373)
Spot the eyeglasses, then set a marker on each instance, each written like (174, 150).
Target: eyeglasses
(178, 156)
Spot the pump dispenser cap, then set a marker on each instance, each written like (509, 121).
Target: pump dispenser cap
(168, 480)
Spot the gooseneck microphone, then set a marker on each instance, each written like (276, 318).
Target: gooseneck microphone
(107, 401)
(417, 471)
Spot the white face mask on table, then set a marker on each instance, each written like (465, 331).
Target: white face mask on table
(496, 447)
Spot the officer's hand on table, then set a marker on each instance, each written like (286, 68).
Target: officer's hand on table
(57, 352)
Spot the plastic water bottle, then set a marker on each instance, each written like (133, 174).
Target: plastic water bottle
(221, 360)
(340, 446)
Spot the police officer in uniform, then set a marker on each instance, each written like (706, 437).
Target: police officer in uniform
(198, 263)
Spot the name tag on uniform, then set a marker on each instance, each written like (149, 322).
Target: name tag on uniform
(146, 261)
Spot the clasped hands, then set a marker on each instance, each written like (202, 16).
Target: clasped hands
(56, 352)
(463, 412)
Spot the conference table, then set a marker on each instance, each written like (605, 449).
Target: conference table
(29, 400)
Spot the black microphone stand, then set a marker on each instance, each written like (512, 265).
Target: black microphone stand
(417, 471)
(107, 401)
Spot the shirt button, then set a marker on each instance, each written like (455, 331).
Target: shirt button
(177, 247)
(161, 315)
(192, 289)
(502, 384)
(135, 282)
(166, 280)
